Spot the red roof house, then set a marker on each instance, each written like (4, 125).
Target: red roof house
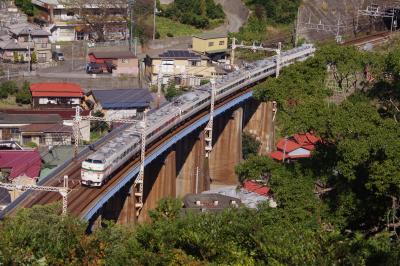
(255, 187)
(56, 95)
(21, 163)
(295, 147)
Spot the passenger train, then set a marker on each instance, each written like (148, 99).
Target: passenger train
(102, 163)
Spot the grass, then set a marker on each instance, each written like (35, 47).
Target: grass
(10, 102)
(168, 26)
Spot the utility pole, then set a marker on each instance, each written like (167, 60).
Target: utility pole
(139, 179)
(29, 51)
(64, 191)
(233, 51)
(255, 48)
(154, 19)
(296, 40)
(209, 127)
(130, 6)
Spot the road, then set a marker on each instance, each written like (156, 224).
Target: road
(237, 14)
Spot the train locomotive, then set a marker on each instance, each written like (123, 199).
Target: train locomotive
(100, 166)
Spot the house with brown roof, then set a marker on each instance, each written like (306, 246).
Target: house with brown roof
(123, 62)
(47, 134)
(56, 95)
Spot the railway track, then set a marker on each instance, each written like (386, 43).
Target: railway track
(372, 39)
(80, 197)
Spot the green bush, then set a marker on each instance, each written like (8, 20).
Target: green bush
(8, 88)
(24, 96)
(195, 13)
(26, 6)
(31, 144)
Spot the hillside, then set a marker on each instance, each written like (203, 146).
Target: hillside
(329, 12)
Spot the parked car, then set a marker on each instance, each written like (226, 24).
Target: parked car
(93, 68)
(58, 56)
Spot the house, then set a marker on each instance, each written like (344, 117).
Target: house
(38, 38)
(183, 67)
(56, 95)
(211, 202)
(212, 44)
(20, 163)
(250, 194)
(65, 25)
(21, 41)
(120, 103)
(124, 62)
(43, 127)
(47, 134)
(10, 124)
(295, 147)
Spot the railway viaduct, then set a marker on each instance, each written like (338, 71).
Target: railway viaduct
(175, 163)
(183, 168)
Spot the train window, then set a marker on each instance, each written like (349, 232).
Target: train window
(88, 160)
(97, 161)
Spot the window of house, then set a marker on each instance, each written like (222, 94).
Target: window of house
(194, 63)
(43, 100)
(221, 42)
(70, 14)
(211, 44)
(14, 130)
(75, 101)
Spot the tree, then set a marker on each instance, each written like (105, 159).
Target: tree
(40, 235)
(8, 88)
(250, 145)
(24, 96)
(34, 59)
(16, 57)
(99, 126)
(102, 16)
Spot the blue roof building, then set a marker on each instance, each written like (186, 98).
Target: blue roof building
(120, 103)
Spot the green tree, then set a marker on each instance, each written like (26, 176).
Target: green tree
(23, 95)
(250, 145)
(99, 126)
(34, 59)
(41, 236)
(8, 88)
(16, 57)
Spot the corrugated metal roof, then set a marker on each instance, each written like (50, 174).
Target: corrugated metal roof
(46, 128)
(29, 118)
(112, 54)
(65, 114)
(123, 98)
(21, 163)
(56, 90)
(211, 35)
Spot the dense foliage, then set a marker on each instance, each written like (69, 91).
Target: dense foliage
(26, 6)
(198, 13)
(350, 218)
(282, 11)
(10, 88)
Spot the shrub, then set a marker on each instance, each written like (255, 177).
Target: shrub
(23, 96)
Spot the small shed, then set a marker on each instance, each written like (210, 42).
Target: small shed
(125, 62)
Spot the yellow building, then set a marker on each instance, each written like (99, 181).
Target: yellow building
(210, 42)
(180, 66)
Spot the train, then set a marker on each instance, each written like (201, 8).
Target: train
(100, 166)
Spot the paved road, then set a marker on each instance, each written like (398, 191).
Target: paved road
(237, 14)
